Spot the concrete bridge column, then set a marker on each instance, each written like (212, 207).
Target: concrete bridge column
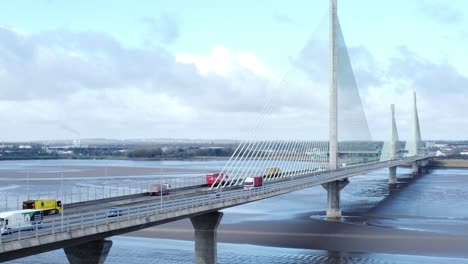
(206, 226)
(392, 176)
(94, 252)
(333, 197)
(415, 167)
(424, 162)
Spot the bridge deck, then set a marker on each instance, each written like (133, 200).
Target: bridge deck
(88, 222)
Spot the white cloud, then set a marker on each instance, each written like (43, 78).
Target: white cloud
(252, 63)
(224, 62)
(221, 61)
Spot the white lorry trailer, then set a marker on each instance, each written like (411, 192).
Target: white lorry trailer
(159, 189)
(14, 221)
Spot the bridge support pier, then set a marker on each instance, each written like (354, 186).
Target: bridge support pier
(392, 176)
(424, 162)
(333, 197)
(415, 167)
(206, 226)
(94, 252)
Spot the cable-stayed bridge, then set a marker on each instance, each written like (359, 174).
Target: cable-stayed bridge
(287, 162)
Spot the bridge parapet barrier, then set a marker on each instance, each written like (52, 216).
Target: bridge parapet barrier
(122, 197)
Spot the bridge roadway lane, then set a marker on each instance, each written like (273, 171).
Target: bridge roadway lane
(179, 193)
(144, 198)
(129, 200)
(147, 211)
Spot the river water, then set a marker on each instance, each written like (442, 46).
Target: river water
(435, 202)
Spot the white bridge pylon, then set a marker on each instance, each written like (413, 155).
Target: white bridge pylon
(274, 157)
(391, 149)
(344, 139)
(414, 146)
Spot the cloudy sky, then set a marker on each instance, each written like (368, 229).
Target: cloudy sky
(206, 69)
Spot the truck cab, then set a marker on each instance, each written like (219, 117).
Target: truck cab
(253, 182)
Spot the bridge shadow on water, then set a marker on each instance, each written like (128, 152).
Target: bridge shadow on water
(389, 192)
(361, 212)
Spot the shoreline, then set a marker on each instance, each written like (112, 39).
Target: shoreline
(450, 163)
(194, 158)
(438, 163)
(83, 171)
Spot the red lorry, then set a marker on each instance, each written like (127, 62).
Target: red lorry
(216, 178)
(253, 182)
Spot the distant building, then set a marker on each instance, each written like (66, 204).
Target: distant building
(65, 152)
(76, 143)
(211, 148)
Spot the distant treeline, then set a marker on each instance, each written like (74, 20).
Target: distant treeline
(16, 153)
(149, 152)
(169, 151)
(145, 152)
(454, 157)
